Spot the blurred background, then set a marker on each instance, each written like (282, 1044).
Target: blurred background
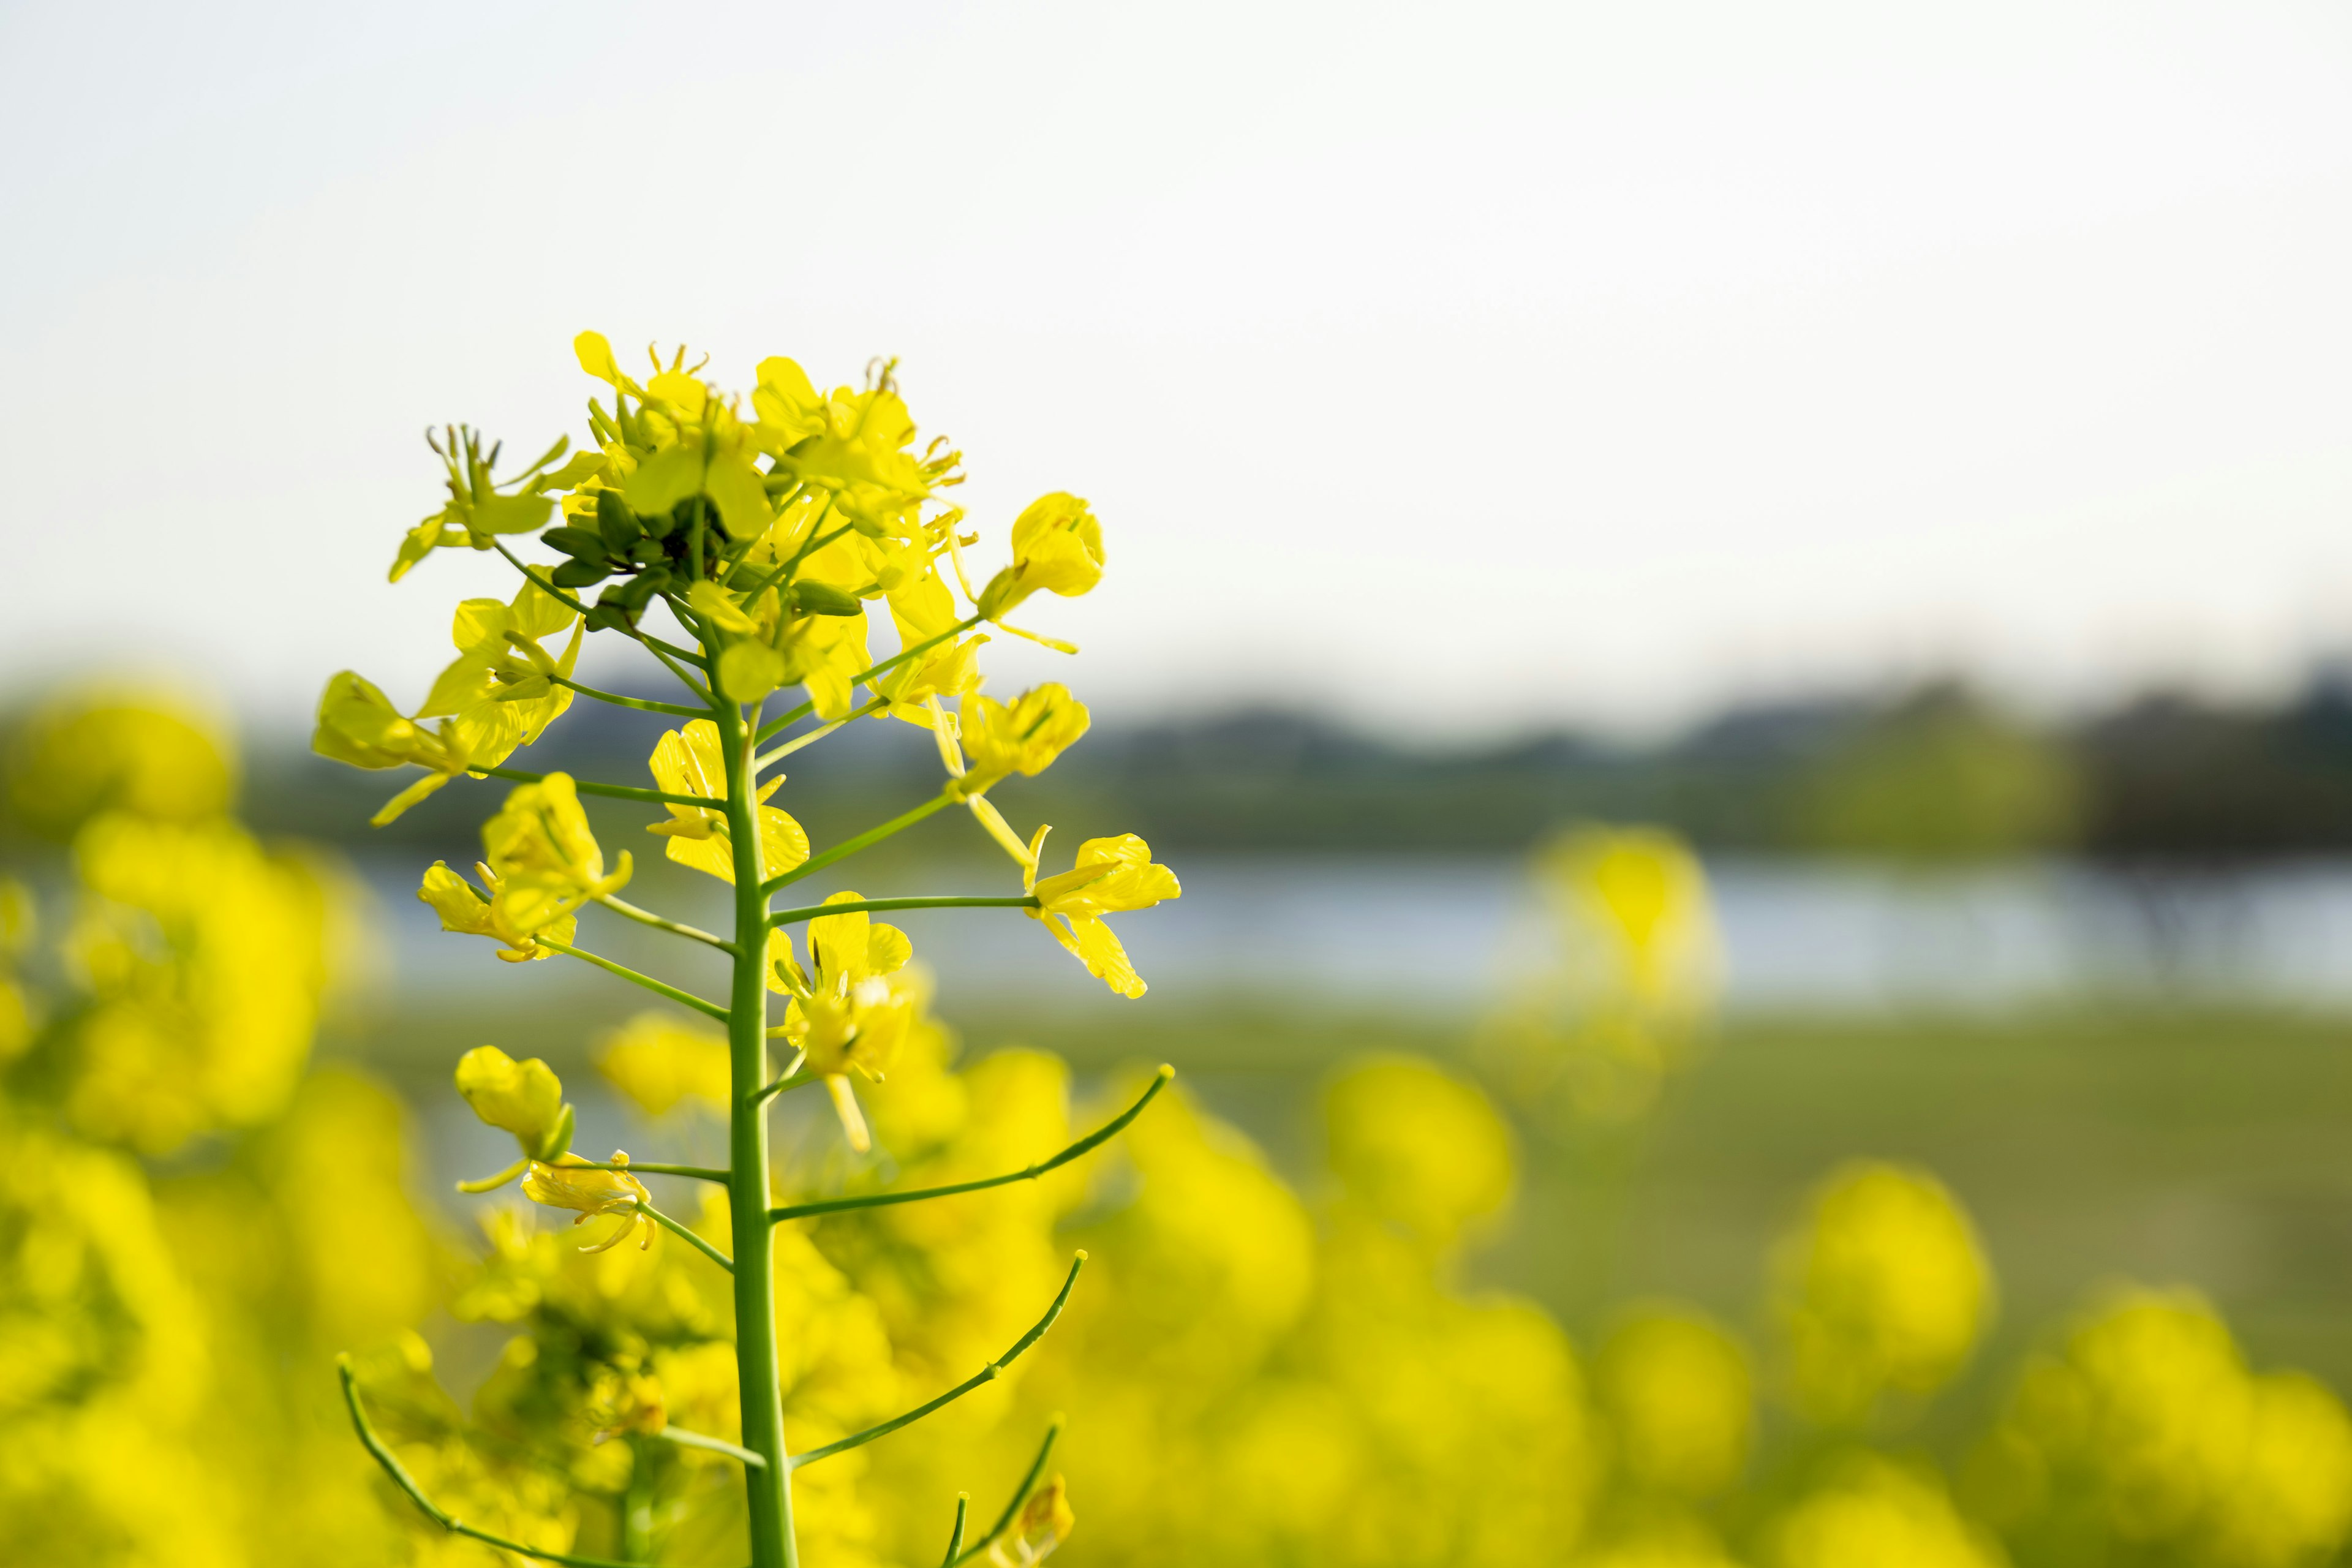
(1739, 623)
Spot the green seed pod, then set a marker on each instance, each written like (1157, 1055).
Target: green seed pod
(821, 599)
(616, 523)
(581, 573)
(580, 543)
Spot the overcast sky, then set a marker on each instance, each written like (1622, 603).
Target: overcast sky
(1453, 366)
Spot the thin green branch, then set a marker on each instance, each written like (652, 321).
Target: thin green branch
(407, 1483)
(1020, 1495)
(609, 791)
(642, 705)
(683, 998)
(866, 839)
(761, 764)
(784, 720)
(784, 1085)
(1084, 1146)
(686, 1439)
(646, 917)
(687, 1236)
(877, 906)
(955, 1536)
(699, 1172)
(988, 1373)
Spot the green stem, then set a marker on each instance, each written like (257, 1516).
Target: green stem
(783, 721)
(646, 917)
(683, 998)
(407, 1483)
(955, 1536)
(876, 905)
(642, 705)
(986, 1374)
(784, 1086)
(1084, 1146)
(687, 1236)
(1020, 1495)
(759, 1374)
(610, 791)
(866, 839)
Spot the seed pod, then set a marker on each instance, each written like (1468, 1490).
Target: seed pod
(581, 573)
(616, 523)
(823, 599)
(580, 543)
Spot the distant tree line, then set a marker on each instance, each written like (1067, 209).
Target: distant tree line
(1937, 774)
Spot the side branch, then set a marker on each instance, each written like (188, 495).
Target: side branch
(866, 839)
(611, 791)
(407, 1483)
(687, 1236)
(683, 998)
(1085, 1145)
(988, 1373)
(547, 585)
(642, 704)
(812, 912)
(647, 917)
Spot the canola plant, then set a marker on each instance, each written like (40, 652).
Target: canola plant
(763, 527)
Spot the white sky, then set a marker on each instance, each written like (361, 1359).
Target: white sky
(1453, 366)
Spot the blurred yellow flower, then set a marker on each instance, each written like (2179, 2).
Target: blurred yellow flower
(1885, 1516)
(1679, 1398)
(1418, 1146)
(144, 754)
(1883, 1290)
(1043, 1523)
(657, 1060)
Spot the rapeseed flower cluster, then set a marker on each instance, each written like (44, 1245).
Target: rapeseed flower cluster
(740, 541)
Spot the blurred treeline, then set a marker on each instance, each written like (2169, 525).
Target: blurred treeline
(1941, 772)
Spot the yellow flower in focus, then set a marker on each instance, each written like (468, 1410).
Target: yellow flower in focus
(1056, 547)
(144, 754)
(1045, 1522)
(657, 1061)
(545, 857)
(1023, 736)
(1112, 876)
(468, 911)
(852, 1008)
(523, 1098)
(499, 661)
(568, 1183)
(1680, 1399)
(1884, 1291)
(359, 725)
(691, 762)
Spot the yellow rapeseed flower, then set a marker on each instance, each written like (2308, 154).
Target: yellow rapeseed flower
(853, 1006)
(690, 762)
(1045, 1522)
(1056, 547)
(470, 912)
(1112, 876)
(568, 1183)
(523, 1098)
(545, 856)
(657, 1060)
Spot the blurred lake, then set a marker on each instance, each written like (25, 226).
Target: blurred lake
(1433, 934)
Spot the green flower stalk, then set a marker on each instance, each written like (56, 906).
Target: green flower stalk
(764, 528)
